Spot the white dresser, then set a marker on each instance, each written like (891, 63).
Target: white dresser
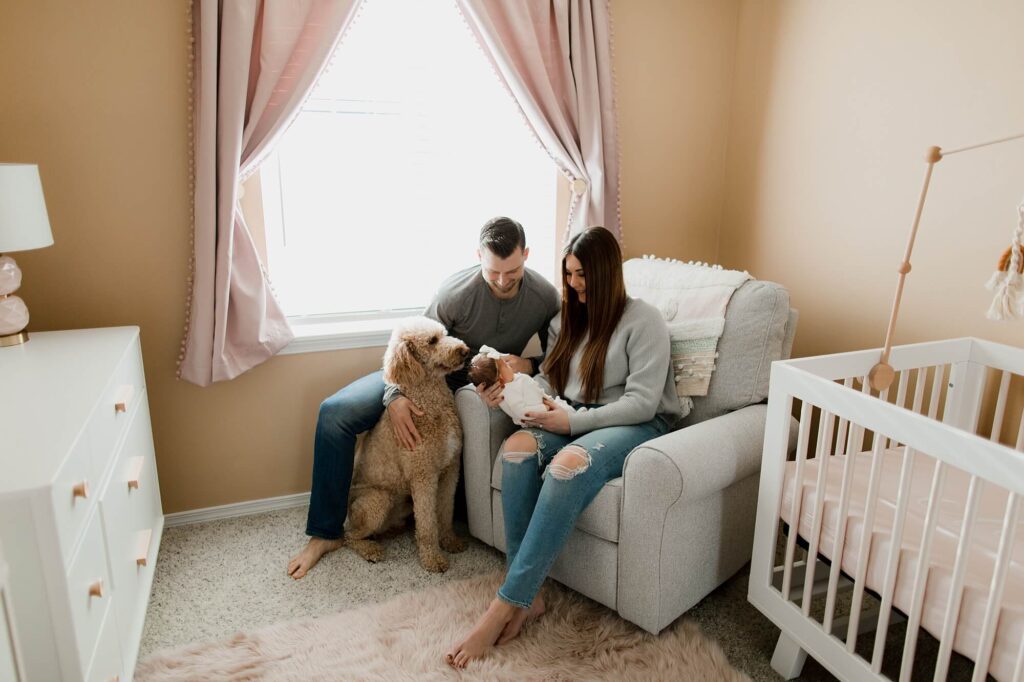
(80, 514)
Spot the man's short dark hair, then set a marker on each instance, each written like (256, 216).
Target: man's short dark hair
(502, 236)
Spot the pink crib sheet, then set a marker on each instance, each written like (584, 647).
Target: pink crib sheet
(983, 545)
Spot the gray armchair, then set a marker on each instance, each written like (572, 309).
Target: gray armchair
(680, 520)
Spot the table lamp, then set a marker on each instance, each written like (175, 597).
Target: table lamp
(24, 225)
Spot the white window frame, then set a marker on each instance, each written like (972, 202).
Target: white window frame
(316, 333)
(341, 331)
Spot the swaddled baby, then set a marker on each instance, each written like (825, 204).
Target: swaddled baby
(520, 393)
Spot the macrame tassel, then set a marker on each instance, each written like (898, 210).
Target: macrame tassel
(1007, 281)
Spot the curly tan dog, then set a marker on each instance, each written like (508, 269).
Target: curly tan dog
(419, 355)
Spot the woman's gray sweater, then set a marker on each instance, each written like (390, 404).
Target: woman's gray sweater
(638, 380)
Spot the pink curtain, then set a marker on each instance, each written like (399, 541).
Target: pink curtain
(255, 63)
(554, 56)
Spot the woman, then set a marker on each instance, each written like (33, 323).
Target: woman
(611, 355)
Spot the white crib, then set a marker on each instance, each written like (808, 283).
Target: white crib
(928, 476)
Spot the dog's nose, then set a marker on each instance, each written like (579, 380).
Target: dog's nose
(464, 350)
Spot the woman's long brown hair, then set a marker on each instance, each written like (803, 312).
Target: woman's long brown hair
(598, 252)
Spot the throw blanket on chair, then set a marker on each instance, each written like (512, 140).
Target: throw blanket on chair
(692, 298)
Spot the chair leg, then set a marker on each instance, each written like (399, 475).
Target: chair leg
(788, 659)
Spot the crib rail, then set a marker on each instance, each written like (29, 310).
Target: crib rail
(942, 423)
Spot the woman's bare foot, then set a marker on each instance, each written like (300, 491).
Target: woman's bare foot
(310, 554)
(483, 635)
(513, 627)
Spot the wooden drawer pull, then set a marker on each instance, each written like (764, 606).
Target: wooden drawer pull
(145, 538)
(123, 398)
(80, 490)
(135, 472)
(96, 589)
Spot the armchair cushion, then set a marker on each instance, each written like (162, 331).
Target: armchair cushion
(755, 335)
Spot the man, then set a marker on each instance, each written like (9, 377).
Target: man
(499, 303)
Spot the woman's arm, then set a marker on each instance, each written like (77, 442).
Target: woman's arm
(648, 352)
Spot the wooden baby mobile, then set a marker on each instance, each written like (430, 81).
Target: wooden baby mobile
(1007, 282)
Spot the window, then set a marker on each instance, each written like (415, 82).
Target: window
(408, 144)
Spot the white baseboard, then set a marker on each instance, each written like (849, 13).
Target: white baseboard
(229, 511)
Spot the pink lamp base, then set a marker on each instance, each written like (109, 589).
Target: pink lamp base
(13, 311)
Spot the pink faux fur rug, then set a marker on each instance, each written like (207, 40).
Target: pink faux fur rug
(406, 638)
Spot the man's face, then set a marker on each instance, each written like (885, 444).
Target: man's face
(503, 275)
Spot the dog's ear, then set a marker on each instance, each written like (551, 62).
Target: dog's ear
(400, 365)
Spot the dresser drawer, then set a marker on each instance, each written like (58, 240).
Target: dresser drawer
(132, 519)
(106, 662)
(73, 494)
(119, 402)
(89, 590)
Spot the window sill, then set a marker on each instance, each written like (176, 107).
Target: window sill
(326, 335)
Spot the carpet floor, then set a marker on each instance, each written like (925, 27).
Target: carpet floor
(219, 578)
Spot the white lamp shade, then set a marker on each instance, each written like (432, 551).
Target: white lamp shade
(24, 223)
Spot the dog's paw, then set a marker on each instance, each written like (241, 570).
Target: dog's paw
(369, 550)
(453, 544)
(435, 563)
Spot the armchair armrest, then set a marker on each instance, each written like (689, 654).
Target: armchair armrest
(483, 431)
(684, 526)
(697, 460)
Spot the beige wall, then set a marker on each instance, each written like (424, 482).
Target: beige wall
(674, 62)
(834, 106)
(95, 93)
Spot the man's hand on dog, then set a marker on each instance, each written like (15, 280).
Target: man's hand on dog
(401, 410)
(491, 395)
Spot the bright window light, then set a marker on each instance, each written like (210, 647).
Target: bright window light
(407, 146)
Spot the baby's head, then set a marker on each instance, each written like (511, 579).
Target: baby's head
(483, 369)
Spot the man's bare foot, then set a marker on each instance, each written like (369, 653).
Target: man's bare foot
(513, 627)
(310, 554)
(483, 635)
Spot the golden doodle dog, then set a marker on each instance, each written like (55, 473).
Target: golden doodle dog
(419, 355)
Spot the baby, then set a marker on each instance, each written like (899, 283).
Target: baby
(520, 394)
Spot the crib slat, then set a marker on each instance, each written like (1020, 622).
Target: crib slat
(798, 495)
(855, 442)
(921, 572)
(892, 565)
(841, 522)
(1020, 434)
(866, 536)
(956, 590)
(824, 438)
(901, 396)
(920, 374)
(884, 397)
(841, 432)
(997, 418)
(995, 595)
(933, 403)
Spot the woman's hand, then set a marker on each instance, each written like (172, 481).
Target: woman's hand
(555, 419)
(491, 395)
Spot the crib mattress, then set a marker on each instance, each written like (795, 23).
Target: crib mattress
(983, 546)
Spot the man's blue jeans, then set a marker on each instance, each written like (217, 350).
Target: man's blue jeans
(343, 416)
(542, 502)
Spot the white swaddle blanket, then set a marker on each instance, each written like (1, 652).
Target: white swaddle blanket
(523, 394)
